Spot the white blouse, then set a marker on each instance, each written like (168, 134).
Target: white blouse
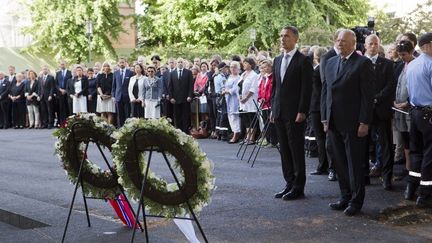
(250, 84)
(132, 82)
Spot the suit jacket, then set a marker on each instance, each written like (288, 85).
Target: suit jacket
(29, 90)
(47, 89)
(165, 80)
(180, 89)
(84, 86)
(4, 89)
(347, 96)
(323, 61)
(120, 87)
(294, 94)
(60, 81)
(398, 67)
(316, 91)
(385, 88)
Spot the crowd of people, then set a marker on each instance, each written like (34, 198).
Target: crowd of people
(359, 104)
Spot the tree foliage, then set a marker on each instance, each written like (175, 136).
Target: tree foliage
(417, 21)
(226, 24)
(59, 27)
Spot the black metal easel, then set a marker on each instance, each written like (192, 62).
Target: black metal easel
(255, 120)
(79, 181)
(141, 203)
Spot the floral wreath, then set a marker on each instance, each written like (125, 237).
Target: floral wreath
(161, 198)
(88, 128)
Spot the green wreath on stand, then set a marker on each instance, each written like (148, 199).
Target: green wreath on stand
(89, 128)
(162, 198)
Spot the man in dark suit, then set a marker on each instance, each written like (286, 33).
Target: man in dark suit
(346, 112)
(323, 63)
(5, 117)
(62, 76)
(381, 129)
(168, 108)
(120, 91)
(47, 87)
(290, 100)
(180, 88)
(12, 81)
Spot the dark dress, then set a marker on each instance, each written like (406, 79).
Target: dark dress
(19, 105)
(136, 108)
(92, 92)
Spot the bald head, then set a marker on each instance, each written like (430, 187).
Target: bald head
(372, 44)
(346, 42)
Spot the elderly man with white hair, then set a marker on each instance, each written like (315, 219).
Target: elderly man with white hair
(346, 113)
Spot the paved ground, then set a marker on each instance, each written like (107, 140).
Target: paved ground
(243, 209)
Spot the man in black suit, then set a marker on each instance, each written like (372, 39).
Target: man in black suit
(180, 88)
(291, 95)
(168, 108)
(62, 76)
(120, 91)
(47, 87)
(323, 63)
(381, 129)
(12, 81)
(346, 112)
(5, 117)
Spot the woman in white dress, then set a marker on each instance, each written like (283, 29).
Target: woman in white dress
(230, 90)
(249, 97)
(152, 94)
(105, 103)
(78, 91)
(136, 91)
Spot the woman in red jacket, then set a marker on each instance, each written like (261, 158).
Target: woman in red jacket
(264, 99)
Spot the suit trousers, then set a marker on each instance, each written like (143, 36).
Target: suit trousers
(5, 118)
(46, 112)
(291, 141)
(123, 111)
(63, 107)
(421, 151)
(182, 114)
(318, 128)
(19, 113)
(211, 107)
(168, 109)
(348, 152)
(382, 134)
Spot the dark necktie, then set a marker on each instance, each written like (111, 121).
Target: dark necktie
(180, 75)
(342, 64)
(121, 73)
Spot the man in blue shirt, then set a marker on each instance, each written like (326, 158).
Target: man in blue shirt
(419, 84)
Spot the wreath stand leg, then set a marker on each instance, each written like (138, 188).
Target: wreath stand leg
(120, 187)
(78, 182)
(141, 200)
(255, 121)
(260, 143)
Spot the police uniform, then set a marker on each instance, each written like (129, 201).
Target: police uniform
(419, 77)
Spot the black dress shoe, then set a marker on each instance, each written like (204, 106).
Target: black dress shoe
(283, 192)
(351, 211)
(410, 191)
(292, 195)
(424, 201)
(339, 205)
(367, 181)
(387, 185)
(332, 176)
(317, 172)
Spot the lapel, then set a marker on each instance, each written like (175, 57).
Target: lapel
(277, 68)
